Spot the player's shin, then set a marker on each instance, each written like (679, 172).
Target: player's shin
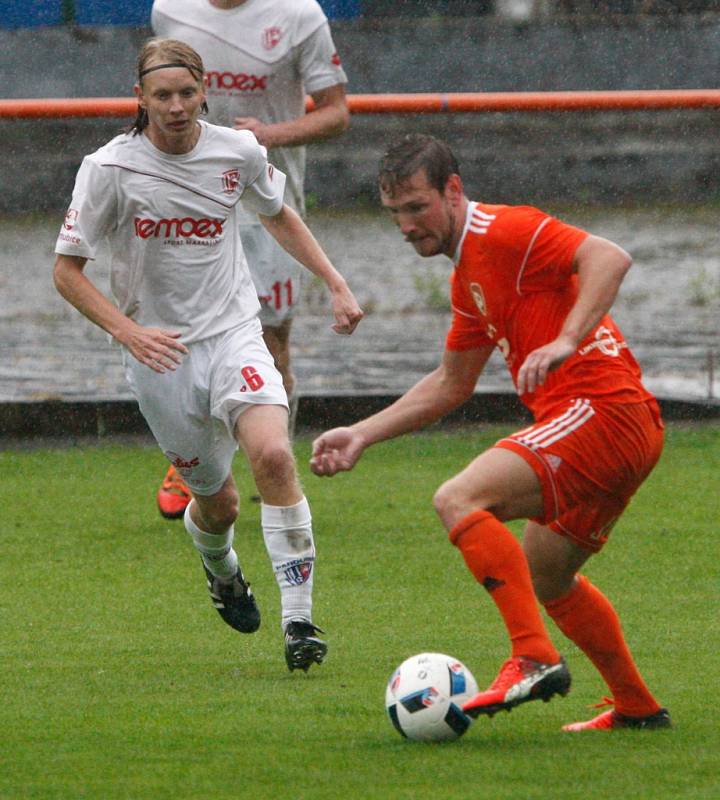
(497, 561)
(589, 619)
(289, 542)
(216, 549)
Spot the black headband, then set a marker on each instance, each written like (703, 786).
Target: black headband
(192, 69)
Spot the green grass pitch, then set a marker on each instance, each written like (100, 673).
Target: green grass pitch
(119, 680)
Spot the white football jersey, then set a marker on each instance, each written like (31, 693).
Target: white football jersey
(261, 59)
(171, 222)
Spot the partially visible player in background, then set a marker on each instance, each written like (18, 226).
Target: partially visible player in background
(540, 291)
(166, 195)
(262, 57)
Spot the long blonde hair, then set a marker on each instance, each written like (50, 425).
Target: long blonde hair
(170, 53)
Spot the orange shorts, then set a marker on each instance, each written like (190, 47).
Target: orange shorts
(590, 458)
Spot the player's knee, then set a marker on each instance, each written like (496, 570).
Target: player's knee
(440, 501)
(451, 505)
(275, 459)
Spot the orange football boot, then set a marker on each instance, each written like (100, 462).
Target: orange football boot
(173, 495)
(613, 720)
(520, 679)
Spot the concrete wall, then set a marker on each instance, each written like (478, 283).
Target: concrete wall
(607, 157)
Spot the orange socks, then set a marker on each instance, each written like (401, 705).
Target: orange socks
(588, 618)
(496, 559)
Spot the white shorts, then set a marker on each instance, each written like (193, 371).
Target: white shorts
(275, 273)
(192, 410)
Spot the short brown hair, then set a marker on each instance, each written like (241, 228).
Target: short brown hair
(413, 152)
(174, 52)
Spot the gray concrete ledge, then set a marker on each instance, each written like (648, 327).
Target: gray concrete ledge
(52, 419)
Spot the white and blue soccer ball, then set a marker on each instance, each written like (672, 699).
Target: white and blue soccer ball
(424, 697)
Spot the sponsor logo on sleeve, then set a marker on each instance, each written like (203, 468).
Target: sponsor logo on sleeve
(69, 223)
(70, 219)
(335, 59)
(69, 238)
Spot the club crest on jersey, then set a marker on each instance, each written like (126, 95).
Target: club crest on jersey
(70, 219)
(479, 298)
(297, 574)
(230, 180)
(271, 37)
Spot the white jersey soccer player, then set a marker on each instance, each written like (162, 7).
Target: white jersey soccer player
(177, 263)
(166, 196)
(167, 216)
(261, 59)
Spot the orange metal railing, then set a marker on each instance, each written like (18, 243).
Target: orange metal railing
(533, 101)
(431, 103)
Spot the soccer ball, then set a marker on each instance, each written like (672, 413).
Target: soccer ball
(424, 697)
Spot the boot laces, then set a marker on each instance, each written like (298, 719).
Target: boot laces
(510, 673)
(174, 483)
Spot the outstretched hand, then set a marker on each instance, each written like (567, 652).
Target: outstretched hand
(337, 450)
(540, 362)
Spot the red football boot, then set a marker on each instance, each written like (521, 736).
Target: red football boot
(173, 495)
(520, 680)
(613, 720)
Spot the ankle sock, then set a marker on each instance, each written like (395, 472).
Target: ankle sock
(215, 548)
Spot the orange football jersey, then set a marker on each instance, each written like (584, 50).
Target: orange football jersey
(513, 286)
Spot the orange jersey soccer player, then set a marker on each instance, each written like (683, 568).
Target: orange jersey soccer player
(540, 291)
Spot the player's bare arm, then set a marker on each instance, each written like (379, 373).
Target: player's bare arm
(156, 348)
(328, 118)
(430, 399)
(601, 266)
(293, 235)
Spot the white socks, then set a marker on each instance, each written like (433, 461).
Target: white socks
(289, 542)
(288, 535)
(215, 548)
